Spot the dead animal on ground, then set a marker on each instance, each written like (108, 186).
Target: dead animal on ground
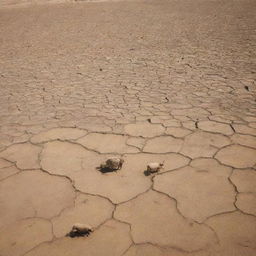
(112, 164)
(153, 168)
(79, 229)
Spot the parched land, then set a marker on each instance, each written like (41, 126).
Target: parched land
(147, 81)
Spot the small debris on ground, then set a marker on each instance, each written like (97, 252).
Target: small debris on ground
(153, 168)
(112, 164)
(79, 230)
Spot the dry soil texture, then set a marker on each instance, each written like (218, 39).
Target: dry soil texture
(150, 81)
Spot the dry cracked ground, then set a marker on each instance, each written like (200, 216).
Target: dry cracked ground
(166, 81)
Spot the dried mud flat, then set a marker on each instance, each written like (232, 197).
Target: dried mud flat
(170, 81)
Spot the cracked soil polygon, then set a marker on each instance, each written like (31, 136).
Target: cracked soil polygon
(20, 237)
(154, 218)
(33, 194)
(80, 165)
(199, 193)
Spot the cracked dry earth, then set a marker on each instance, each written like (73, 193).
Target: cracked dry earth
(170, 81)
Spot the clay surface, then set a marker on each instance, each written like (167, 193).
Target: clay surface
(146, 81)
